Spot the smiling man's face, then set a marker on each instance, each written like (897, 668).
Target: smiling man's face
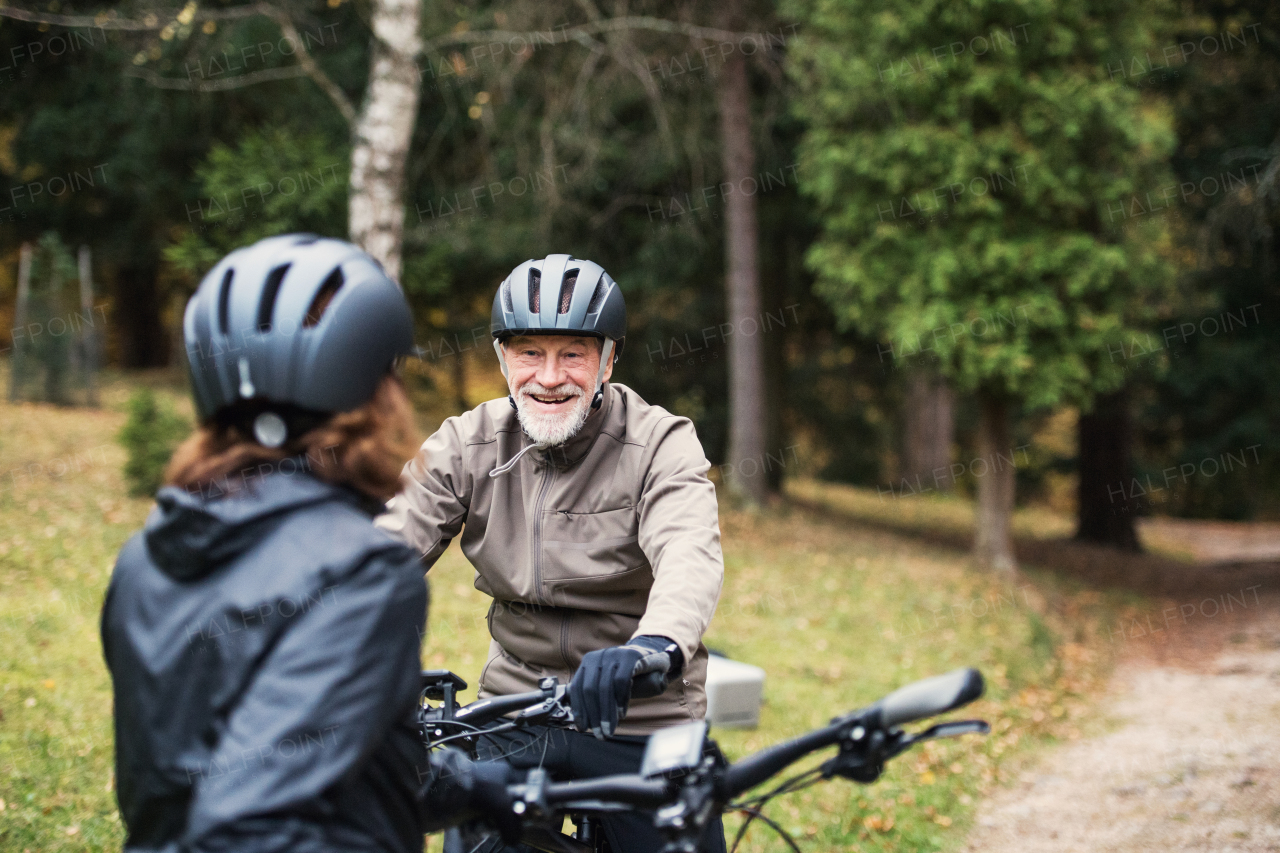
(552, 379)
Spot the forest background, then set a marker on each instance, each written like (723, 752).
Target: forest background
(1022, 250)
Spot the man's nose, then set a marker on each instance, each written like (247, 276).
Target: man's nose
(550, 373)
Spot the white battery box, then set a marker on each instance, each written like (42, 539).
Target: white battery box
(735, 691)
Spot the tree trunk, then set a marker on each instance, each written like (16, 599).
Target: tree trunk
(17, 364)
(1104, 513)
(747, 422)
(383, 130)
(774, 289)
(144, 340)
(928, 428)
(993, 539)
(88, 347)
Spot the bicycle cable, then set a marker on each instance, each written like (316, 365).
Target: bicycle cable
(752, 814)
(752, 808)
(506, 727)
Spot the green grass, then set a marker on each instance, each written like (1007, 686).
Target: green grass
(837, 613)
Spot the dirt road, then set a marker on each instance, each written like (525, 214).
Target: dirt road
(1191, 762)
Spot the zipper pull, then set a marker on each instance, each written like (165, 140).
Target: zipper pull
(566, 513)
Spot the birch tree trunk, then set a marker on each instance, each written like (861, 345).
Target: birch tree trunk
(993, 538)
(382, 132)
(747, 423)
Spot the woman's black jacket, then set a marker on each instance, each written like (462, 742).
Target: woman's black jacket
(264, 649)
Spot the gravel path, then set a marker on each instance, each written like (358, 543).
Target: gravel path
(1192, 762)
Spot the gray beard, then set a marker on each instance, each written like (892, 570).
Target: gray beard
(551, 430)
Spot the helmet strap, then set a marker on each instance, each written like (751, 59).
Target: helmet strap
(502, 362)
(606, 352)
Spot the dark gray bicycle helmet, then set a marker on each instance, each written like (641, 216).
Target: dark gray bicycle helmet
(561, 295)
(297, 327)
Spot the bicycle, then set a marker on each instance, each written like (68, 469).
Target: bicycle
(684, 777)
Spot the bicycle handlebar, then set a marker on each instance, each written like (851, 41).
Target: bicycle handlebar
(867, 738)
(627, 788)
(916, 701)
(930, 697)
(487, 710)
(754, 769)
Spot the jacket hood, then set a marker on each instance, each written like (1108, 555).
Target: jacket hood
(188, 535)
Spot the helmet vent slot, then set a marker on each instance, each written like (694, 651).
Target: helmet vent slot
(224, 301)
(535, 291)
(506, 299)
(270, 289)
(597, 298)
(566, 291)
(323, 297)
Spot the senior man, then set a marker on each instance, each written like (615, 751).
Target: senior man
(589, 518)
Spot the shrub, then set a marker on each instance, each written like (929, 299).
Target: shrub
(149, 437)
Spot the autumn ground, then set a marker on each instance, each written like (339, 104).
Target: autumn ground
(838, 597)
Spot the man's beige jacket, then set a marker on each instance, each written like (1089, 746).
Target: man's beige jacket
(609, 536)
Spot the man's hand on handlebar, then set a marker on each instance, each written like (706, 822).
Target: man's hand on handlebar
(602, 688)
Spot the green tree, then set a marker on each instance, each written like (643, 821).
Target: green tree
(149, 437)
(272, 181)
(974, 166)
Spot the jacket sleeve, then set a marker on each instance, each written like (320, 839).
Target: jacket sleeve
(434, 497)
(680, 535)
(336, 680)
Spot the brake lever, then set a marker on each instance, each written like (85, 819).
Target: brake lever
(955, 728)
(553, 709)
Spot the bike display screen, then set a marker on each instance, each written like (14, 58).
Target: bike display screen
(674, 749)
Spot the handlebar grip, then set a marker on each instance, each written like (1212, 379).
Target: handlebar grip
(649, 678)
(649, 684)
(931, 696)
(630, 789)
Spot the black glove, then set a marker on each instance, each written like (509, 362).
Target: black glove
(601, 690)
(456, 790)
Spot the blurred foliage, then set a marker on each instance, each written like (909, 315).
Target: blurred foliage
(1216, 412)
(149, 436)
(963, 160)
(272, 182)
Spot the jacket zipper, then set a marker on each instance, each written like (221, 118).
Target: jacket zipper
(537, 533)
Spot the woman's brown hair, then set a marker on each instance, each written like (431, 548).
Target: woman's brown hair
(365, 448)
